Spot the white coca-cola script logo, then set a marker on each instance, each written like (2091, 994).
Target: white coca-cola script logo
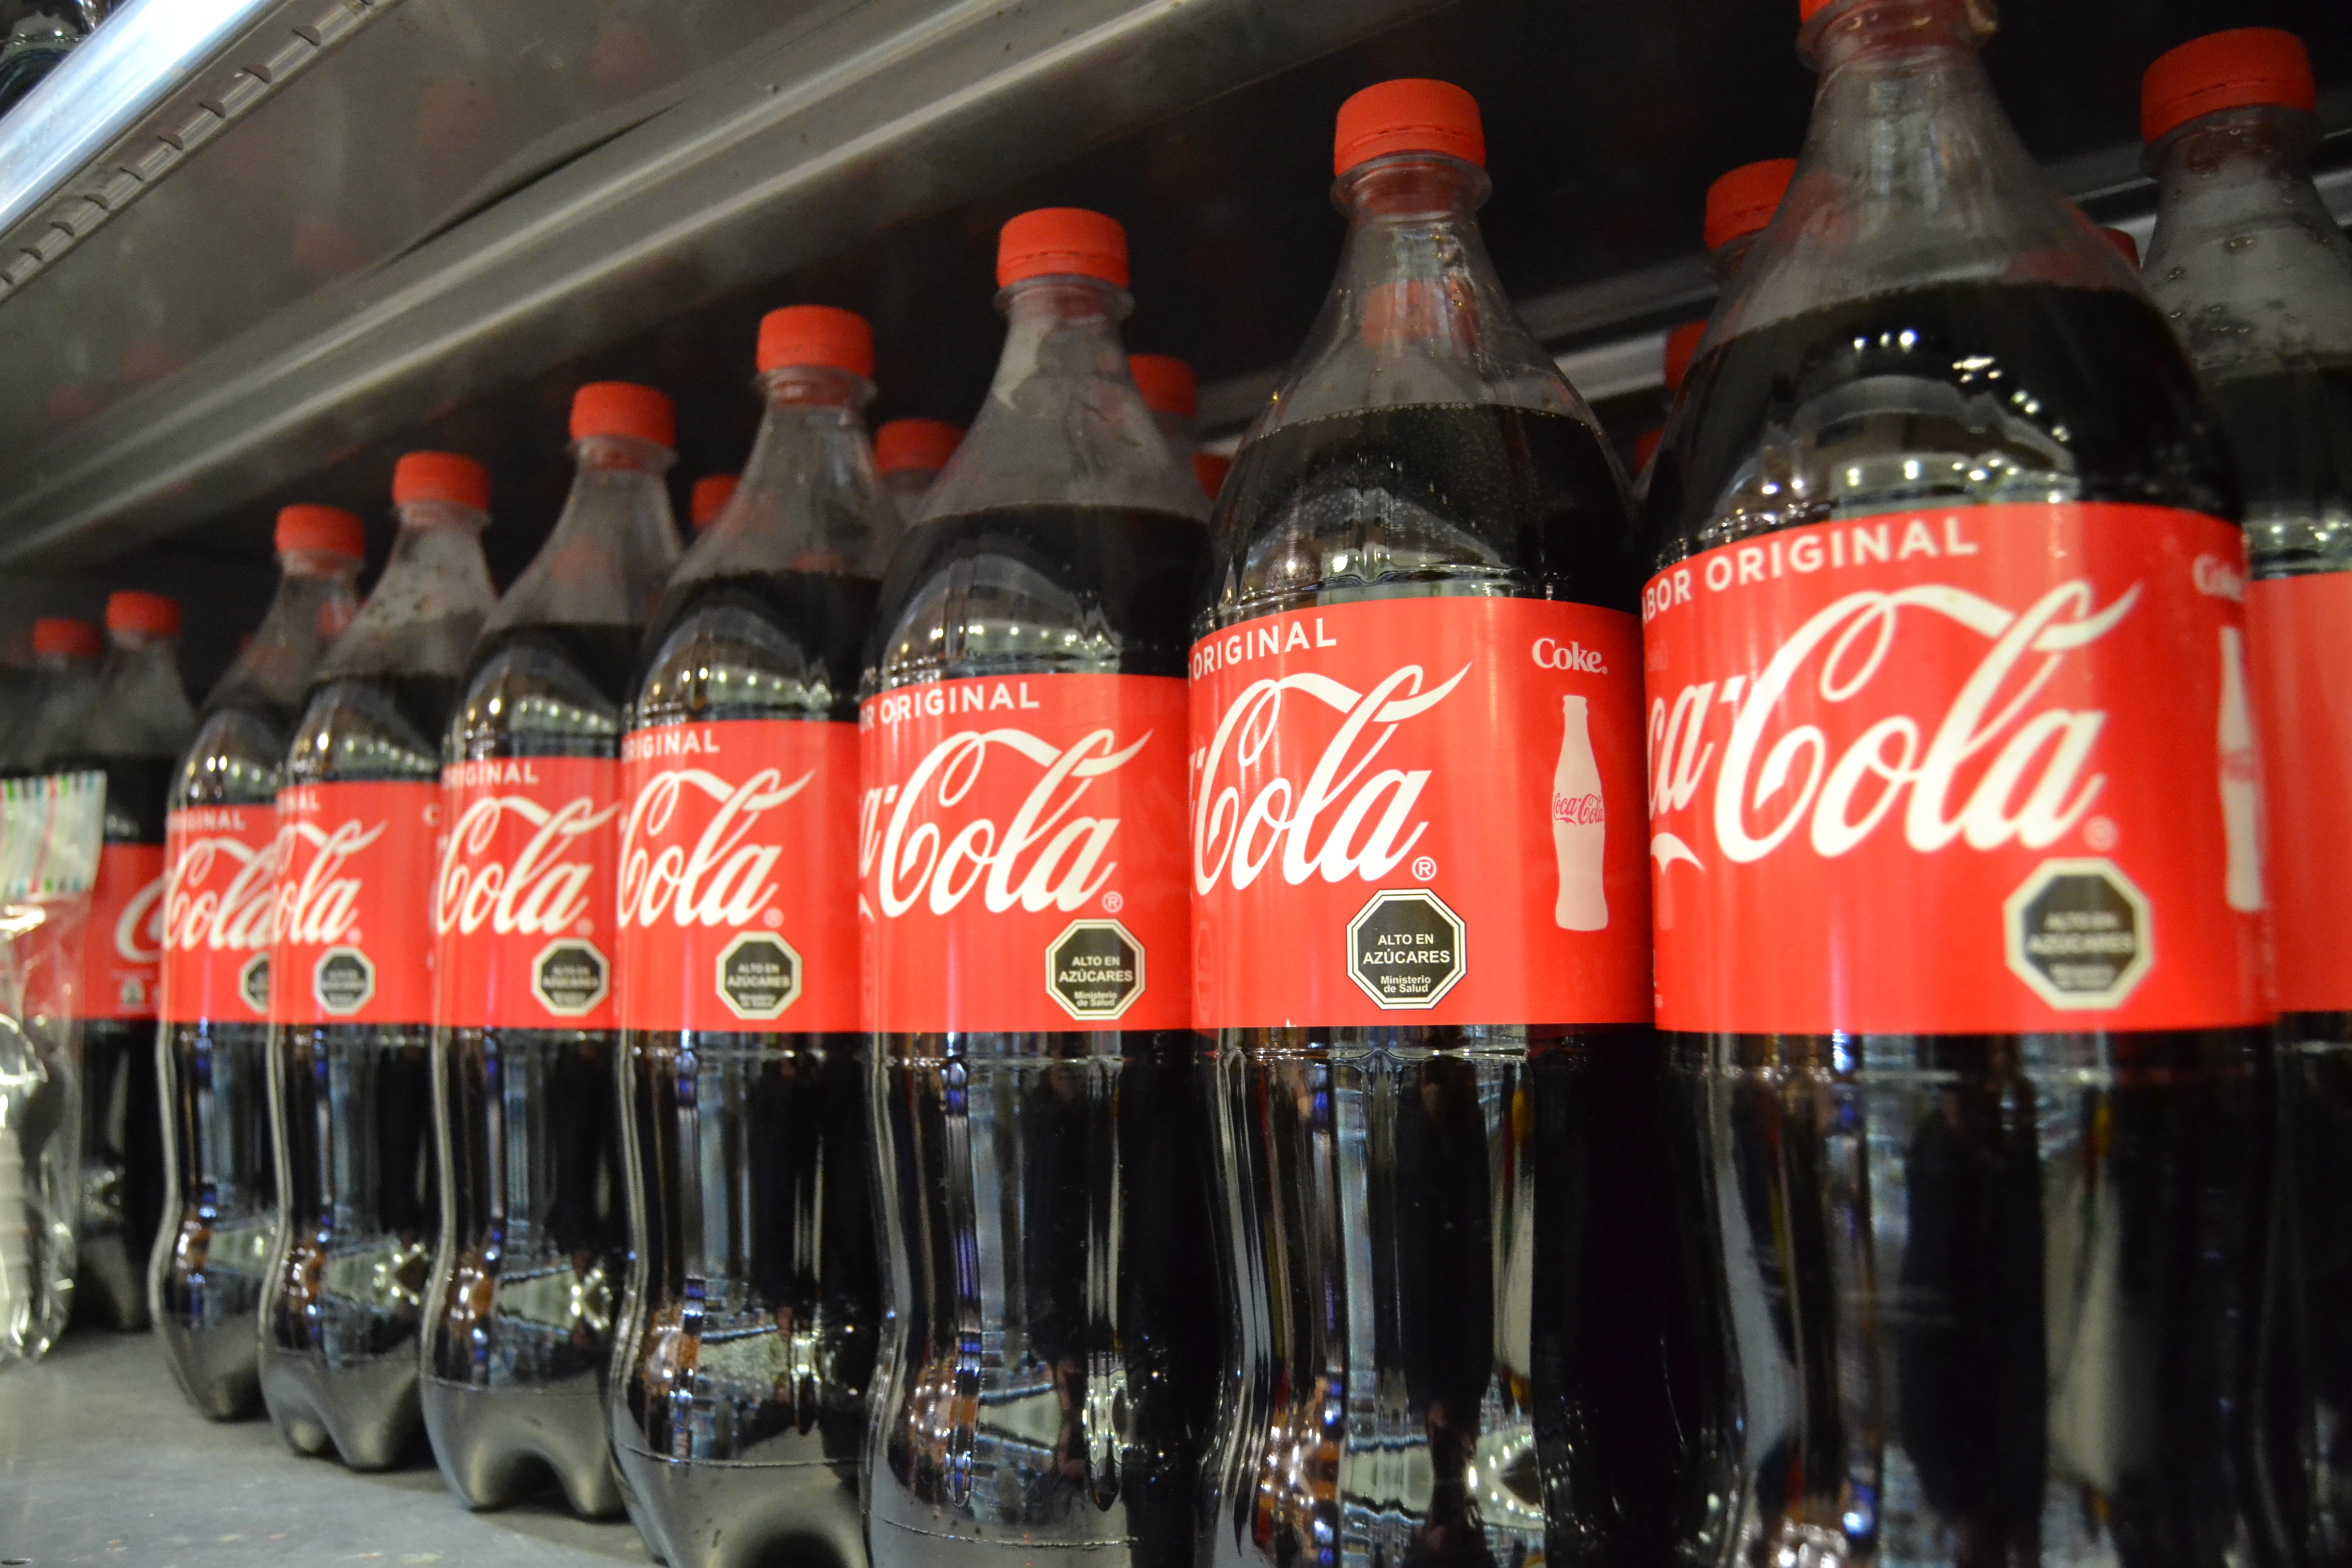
(540, 893)
(2032, 787)
(1325, 826)
(1042, 858)
(321, 904)
(720, 880)
(236, 918)
(139, 929)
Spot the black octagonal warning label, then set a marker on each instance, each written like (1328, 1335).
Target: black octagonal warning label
(342, 981)
(569, 977)
(253, 982)
(758, 975)
(2078, 933)
(1095, 969)
(1405, 948)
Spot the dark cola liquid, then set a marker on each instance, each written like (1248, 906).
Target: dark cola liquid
(122, 1130)
(754, 1313)
(1380, 1336)
(359, 1208)
(535, 1247)
(221, 1196)
(1048, 1384)
(1986, 1299)
(2291, 432)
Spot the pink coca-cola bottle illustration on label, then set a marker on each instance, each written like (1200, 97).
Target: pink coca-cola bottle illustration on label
(2241, 781)
(1580, 829)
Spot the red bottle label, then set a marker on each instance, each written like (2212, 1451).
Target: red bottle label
(739, 877)
(123, 944)
(2300, 639)
(1420, 811)
(354, 937)
(220, 887)
(1986, 770)
(522, 893)
(1021, 854)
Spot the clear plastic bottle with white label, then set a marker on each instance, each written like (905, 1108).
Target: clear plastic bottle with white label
(746, 1350)
(134, 728)
(220, 1193)
(2255, 275)
(1445, 1219)
(351, 1081)
(1947, 929)
(534, 1235)
(1049, 1371)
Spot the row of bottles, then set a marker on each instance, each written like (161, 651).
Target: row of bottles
(1012, 1010)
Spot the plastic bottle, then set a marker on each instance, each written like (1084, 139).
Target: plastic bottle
(1048, 1376)
(1932, 679)
(135, 726)
(909, 454)
(745, 1356)
(1172, 392)
(351, 993)
(2253, 274)
(204, 1278)
(66, 654)
(534, 1240)
(709, 497)
(1416, 708)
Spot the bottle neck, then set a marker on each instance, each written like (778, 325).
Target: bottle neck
(143, 710)
(2246, 259)
(809, 501)
(427, 608)
(315, 604)
(611, 547)
(1911, 175)
(1063, 424)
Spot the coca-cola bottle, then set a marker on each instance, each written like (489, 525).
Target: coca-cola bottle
(351, 985)
(1050, 1368)
(535, 1228)
(134, 727)
(66, 655)
(745, 1355)
(707, 499)
(909, 454)
(2256, 278)
(1172, 392)
(206, 1275)
(1421, 914)
(1739, 203)
(1944, 583)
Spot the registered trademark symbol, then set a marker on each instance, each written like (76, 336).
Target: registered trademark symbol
(585, 927)
(1424, 868)
(1112, 902)
(773, 918)
(2100, 832)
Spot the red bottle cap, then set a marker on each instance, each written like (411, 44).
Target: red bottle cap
(441, 476)
(132, 611)
(1061, 239)
(2225, 70)
(623, 409)
(1167, 383)
(325, 527)
(55, 634)
(1412, 114)
(816, 334)
(927, 444)
(711, 493)
(2126, 246)
(1742, 202)
(1682, 347)
(1211, 470)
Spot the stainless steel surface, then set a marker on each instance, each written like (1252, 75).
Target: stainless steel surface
(325, 307)
(101, 1466)
(160, 80)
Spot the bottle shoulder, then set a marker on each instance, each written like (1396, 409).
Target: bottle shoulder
(780, 645)
(542, 691)
(384, 729)
(1080, 589)
(236, 759)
